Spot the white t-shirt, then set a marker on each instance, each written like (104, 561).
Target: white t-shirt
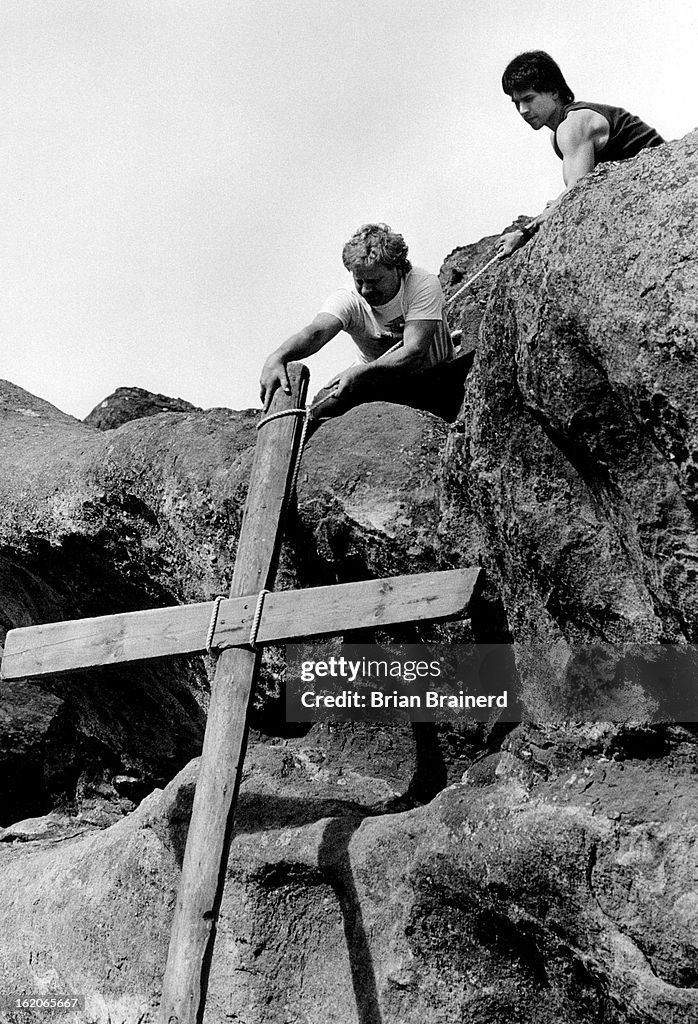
(375, 329)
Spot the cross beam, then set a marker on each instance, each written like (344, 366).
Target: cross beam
(287, 615)
(57, 647)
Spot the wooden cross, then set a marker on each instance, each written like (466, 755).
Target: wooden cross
(287, 615)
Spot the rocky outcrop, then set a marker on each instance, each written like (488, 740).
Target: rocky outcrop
(579, 431)
(90, 524)
(126, 404)
(557, 882)
(566, 898)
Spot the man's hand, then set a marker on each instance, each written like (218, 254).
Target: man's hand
(273, 376)
(303, 343)
(510, 242)
(347, 382)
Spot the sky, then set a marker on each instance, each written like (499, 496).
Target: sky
(179, 176)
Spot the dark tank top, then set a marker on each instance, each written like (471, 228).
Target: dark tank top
(627, 136)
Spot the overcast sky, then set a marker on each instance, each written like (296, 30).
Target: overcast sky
(178, 176)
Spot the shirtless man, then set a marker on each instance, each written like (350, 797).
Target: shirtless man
(584, 134)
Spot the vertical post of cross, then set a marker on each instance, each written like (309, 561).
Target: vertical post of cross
(210, 828)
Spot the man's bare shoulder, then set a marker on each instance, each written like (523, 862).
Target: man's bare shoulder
(582, 126)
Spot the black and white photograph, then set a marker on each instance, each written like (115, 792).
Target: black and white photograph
(349, 512)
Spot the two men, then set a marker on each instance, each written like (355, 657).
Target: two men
(394, 313)
(584, 134)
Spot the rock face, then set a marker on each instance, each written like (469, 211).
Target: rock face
(370, 515)
(579, 437)
(563, 899)
(127, 404)
(558, 882)
(465, 311)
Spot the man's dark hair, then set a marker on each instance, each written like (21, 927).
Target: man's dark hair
(535, 70)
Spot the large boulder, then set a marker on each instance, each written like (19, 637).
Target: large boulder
(580, 427)
(582, 417)
(369, 492)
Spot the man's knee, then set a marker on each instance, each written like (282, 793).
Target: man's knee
(438, 389)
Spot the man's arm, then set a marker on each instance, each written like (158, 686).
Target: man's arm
(578, 137)
(303, 343)
(411, 354)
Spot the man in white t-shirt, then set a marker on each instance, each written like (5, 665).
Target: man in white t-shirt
(394, 313)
